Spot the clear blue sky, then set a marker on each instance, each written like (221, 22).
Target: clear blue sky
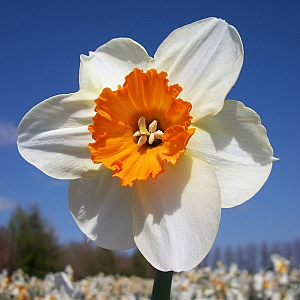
(40, 44)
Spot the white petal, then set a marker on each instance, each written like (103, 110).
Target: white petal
(176, 217)
(236, 145)
(101, 208)
(205, 58)
(110, 63)
(53, 136)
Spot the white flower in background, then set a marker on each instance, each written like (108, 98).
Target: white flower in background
(199, 283)
(281, 267)
(65, 287)
(150, 169)
(280, 263)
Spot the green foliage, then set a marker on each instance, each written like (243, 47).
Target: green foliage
(140, 266)
(88, 259)
(4, 248)
(105, 261)
(33, 244)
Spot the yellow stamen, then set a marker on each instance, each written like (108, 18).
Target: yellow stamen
(143, 133)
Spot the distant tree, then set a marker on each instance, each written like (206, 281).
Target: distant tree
(251, 251)
(276, 248)
(140, 266)
(33, 244)
(87, 259)
(104, 261)
(264, 255)
(240, 257)
(215, 256)
(297, 252)
(229, 257)
(78, 255)
(123, 263)
(4, 249)
(288, 251)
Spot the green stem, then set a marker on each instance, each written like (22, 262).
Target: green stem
(162, 285)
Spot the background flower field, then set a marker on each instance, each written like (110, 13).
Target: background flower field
(31, 264)
(278, 281)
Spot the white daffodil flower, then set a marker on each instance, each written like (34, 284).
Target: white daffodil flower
(158, 183)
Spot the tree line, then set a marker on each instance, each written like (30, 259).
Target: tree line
(252, 256)
(29, 242)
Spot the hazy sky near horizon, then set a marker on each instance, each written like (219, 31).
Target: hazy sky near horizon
(40, 45)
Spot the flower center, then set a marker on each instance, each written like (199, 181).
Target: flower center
(123, 141)
(143, 134)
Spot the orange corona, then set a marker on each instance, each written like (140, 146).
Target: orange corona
(140, 126)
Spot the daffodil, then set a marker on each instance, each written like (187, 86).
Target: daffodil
(151, 147)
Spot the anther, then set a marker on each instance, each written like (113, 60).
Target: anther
(143, 133)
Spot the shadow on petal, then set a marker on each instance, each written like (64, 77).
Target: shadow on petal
(62, 142)
(235, 122)
(162, 196)
(101, 208)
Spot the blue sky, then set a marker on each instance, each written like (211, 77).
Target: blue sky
(40, 44)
